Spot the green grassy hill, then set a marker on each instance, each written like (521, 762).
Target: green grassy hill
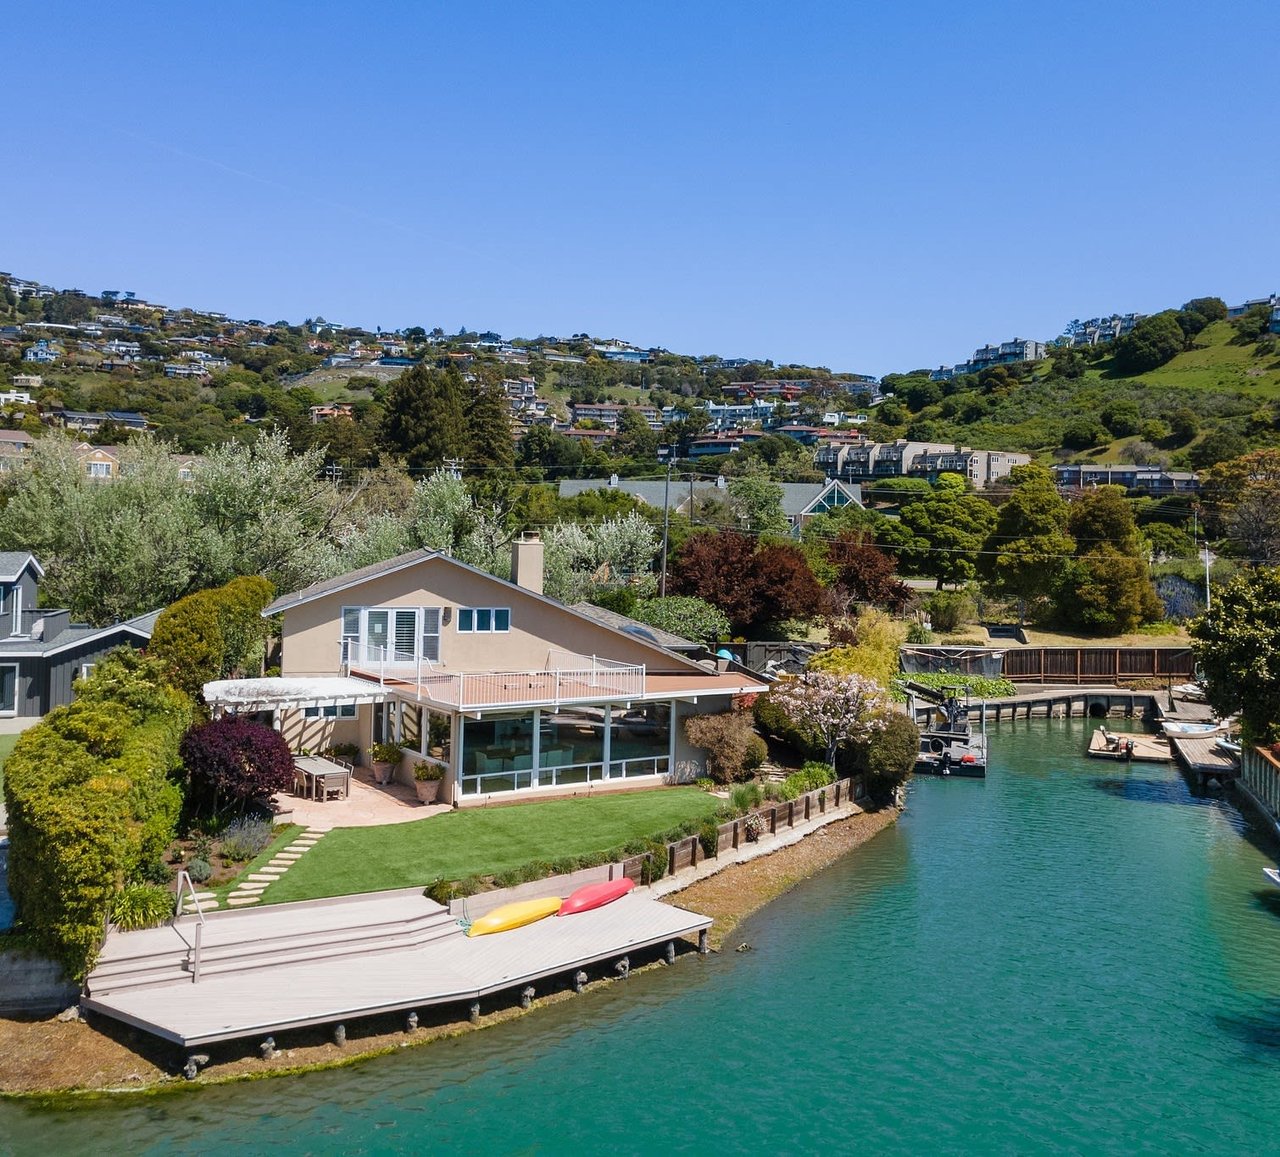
(1233, 392)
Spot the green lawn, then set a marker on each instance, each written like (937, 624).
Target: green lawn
(482, 841)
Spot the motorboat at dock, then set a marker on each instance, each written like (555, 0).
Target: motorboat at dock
(948, 745)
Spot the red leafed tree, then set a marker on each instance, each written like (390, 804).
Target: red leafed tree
(867, 573)
(751, 584)
(232, 761)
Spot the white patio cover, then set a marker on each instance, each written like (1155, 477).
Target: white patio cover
(277, 693)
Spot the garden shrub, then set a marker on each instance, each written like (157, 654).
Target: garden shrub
(744, 797)
(244, 839)
(200, 871)
(773, 720)
(92, 803)
(655, 867)
(887, 759)
(141, 906)
(709, 837)
(950, 610)
(213, 634)
(232, 762)
(727, 738)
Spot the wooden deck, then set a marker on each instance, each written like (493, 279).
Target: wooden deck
(294, 965)
(1204, 760)
(1146, 748)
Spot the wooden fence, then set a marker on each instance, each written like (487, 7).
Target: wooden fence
(775, 818)
(1106, 666)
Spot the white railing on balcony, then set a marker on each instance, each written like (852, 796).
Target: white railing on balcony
(567, 679)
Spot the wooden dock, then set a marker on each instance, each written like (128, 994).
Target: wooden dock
(290, 966)
(1204, 760)
(1145, 748)
(1057, 703)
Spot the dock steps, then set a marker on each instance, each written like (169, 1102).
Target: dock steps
(151, 964)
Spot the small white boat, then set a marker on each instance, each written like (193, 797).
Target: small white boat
(1228, 747)
(1171, 727)
(1191, 691)
(1272, 875)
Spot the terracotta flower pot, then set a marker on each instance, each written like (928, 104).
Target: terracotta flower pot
(427, 789)
(381, 772)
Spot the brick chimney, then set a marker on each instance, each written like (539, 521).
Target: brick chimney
(526, 562)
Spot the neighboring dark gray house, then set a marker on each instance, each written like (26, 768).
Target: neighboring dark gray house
(41, 650)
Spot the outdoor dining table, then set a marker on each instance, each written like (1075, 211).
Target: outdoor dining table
(320, 776)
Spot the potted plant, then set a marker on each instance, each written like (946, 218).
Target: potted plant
(426, 780)
(384, 757)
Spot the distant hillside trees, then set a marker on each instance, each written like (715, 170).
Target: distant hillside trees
(1029, 545)
(940, 535)
(112, 550)
(1151, 343)
(752, 583)
(1106, 588)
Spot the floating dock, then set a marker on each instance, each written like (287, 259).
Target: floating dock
(1104, 744)
(291, 966)
(1204, 760)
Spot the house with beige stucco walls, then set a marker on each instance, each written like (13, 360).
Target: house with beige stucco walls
(511, 693)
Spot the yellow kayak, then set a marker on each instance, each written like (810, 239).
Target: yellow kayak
(515, 915)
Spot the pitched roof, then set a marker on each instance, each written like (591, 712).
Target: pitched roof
(413, 558)
(13, 562)
(350, 579)
(635, 627)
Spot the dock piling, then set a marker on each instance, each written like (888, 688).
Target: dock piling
(475, 1012)
(527, 993)
(579, 981)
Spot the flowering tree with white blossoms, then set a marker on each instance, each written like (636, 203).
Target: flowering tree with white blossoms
(836, 709)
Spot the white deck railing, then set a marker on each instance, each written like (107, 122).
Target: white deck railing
(569, 679)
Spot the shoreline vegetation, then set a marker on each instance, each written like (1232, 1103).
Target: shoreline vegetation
(56, 1059)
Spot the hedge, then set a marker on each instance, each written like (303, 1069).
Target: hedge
(92, 798)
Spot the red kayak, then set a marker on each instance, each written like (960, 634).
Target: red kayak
(595, 896)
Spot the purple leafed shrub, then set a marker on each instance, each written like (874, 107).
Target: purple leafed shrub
(231, 762)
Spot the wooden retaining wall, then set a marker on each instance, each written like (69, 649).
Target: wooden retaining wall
(776, 818)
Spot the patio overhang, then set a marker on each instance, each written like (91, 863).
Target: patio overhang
(280, 693)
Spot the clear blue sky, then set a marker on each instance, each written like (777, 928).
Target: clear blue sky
(867, 185)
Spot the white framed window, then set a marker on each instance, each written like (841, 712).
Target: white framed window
(484, 620)
(99, 469)
(330, 711)
(394, 634)
(86, 669)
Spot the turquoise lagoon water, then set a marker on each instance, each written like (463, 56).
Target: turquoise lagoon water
(1068, 957)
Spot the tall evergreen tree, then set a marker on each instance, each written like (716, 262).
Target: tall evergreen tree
(488, 420)
(424, 419)
(1029, 545)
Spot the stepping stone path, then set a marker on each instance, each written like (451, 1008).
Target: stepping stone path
(250, 889)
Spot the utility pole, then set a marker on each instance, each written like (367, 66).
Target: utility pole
(454, 466)
(1208, 558)
(665, 452)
